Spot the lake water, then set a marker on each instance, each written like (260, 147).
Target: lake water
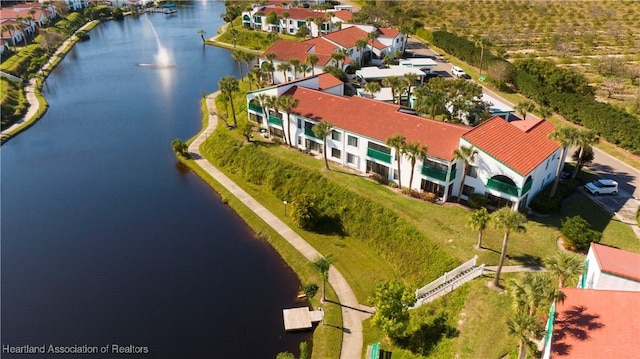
(105, 238)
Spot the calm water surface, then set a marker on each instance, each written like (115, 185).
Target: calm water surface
(105, 239)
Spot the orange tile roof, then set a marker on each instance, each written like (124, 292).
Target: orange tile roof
(378, 120)
(617, 261)
(327, 80)
(388, 32)
(322, 46)
(348, 37)
(519, 146)
(286, 50)
(596, 324)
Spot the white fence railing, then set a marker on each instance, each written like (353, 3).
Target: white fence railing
(450, 286)
(446, 276)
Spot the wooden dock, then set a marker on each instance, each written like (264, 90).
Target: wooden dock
(301, 318)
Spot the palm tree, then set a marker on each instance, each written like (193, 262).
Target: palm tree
(564, 266)
(479, 221)
(295, 63)
(287, 104)
(523, 107)
(360, 45)
(506, 220)
(228, 85)
(338, 57)
(373, 35)
(304, 68)
(480, 42)
(531, 292)
(565, 137)
(545, 112)
(414, 151)
(285, 17)
(265, 101)
(239, 56)
(247, 58)
(180, 148)
(284, 67)
(270, 57)
(323, 129)
(268, 67)
(396, 86)
(524, 327)
(312, 59)
(398, 142)
(323, 264)
(319, 21)
(372, 88)
(409, 79)
(583, 139)
(234, 35)
(468, 155)
(201, 32)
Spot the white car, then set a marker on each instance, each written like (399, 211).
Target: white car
(456, 71)
(602, 186)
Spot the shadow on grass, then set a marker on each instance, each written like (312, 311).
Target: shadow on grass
(578, 204)
(347, 306)
(424, 339)
(330, 225)
(527, 260)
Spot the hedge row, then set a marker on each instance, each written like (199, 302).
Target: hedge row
(343, 211)
(569, 95)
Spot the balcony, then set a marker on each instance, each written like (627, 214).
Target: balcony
(254, 107)
(275, 120)
(379, 155)
(503, 187)
(452, 176)
(309, 132)
(434, 173)
(527, 187)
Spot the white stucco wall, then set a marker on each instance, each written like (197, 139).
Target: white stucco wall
(596, 279)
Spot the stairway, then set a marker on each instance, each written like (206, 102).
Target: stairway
(448, 282)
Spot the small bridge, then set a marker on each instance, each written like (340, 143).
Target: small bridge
(448, 282)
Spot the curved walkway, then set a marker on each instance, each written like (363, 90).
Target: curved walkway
(352, 312)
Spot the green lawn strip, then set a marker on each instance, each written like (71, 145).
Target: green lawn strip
(326, 339)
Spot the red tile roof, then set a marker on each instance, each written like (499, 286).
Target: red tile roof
(322, 46)
(327, 80)
(345, 15)
(348, 37)
(296, 13)
(388, 32)
(286, 50)
(519, 145)
(378, 120)
(617, 261)
(596, 324)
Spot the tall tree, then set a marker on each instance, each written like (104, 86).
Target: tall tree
(239, 56)
(372, 88)
(506, 220)
(468, 155)
(373, 36)
(584, 139)
(565, 137)
(413, 151)
(398, 143)
(523, 107)
(480, 42)
(248, 58)
(234, 36)
(524, 327)
(323, 129)
(360, 45)
(304, 69)
(545, 112)
(319, 21)
(229, 85)
(338, 57)
(396, 85)
(564, 266)
(295, 63)
(392, 301)
(323, 264)
(430, 96)
(531, 291)
(268, 68)
(265, 101)
(285, 16)
(479, 221)
(312, 59)
(409, 80)
(287, 104)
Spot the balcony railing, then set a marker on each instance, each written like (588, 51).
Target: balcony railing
(452, 176)
(379, 155)
(527, 187)
(256, 108)
(434, 173)
(275, 120)
(503, 187)
(309, 132)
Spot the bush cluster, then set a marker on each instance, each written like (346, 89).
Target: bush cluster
(13, 102)
(545, 205)
(477, 200)
(425, 196)
(578, 233)
(394, 240)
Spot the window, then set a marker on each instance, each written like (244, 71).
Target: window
(299, 140)
(547, 166)
(335, 135)
(395, 175)
(436, 165)
(299, 123)
(352, 159)
(378, 168)
(335, 153)
(380, 148)
(352, 141)
(468, 190)
(313, 146)
(432, 187)
(472, 171)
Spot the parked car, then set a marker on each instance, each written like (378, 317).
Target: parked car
(602, 186)
(456, 71)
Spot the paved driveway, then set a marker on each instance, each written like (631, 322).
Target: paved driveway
(622, 205)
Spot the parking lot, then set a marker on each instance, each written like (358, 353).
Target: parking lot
(622, 205)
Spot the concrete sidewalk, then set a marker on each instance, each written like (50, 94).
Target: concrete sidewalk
(352, 312)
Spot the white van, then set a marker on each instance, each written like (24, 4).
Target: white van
(456, 71)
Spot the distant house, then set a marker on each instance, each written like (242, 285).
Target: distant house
(388, 40)
(611, 268)
(287, 20)
(594, 324)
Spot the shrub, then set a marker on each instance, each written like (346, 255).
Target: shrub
(305, 215)
(477, 201)
(428, 197)
(378, 178)
(310, 289)
(545, 205)
(578, 233)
